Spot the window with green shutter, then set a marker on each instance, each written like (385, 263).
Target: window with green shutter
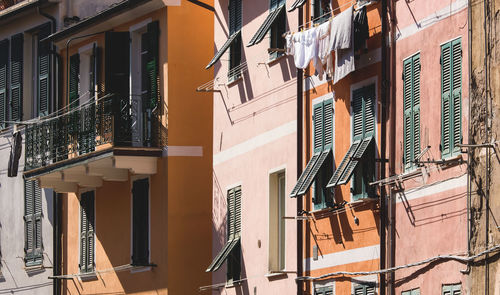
(232, 249)
(328, 290)
(140, 222)
(452, 289)
(33, 248)
(278, 28)
(74, 80)
(4, 73)
(235, 19)
(320, 166)
(360, 157)
(411, 292)
(411, 110)
(16, 77)
(365, 289)
(321, 11)
(43, 68)
(87, 229)
(451, 98)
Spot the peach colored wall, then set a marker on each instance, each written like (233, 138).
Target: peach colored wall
(263, 101)
(434, 224)
(336, 232)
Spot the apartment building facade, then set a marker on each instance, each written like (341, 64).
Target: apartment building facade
(254, 149)
(130, 148)
(27, 85)
(342, 154)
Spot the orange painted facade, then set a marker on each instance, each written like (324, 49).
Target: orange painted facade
(180, 190)
(335, 233)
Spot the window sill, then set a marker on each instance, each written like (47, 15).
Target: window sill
(451, 161)
(34, 269)
(138, 269)
(276, 60)
(233, 285)
(234, 80)
(88, 276)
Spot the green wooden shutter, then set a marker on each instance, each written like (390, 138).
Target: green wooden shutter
(407, 113)
(83, 235)
(4, 62)
(230, 214)
(37, 210)
(456, 129)
(29, 210)
(16, 77)
(152, 65)
(87, 232)
(328, 124)
(237, 211)
(318, 127)
(90, 231)
(416, 106)
(357, 117)
(445, 99)
(140, 231)
(235, 15)
(43, 71)
(369, 111)
(94, 71)
(74, 80)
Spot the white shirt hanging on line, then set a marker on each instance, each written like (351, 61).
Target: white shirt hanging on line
(303, 47)
(324, 62)
(341, 41)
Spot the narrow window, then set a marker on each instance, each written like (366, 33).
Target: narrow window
(87, 229)
(455, 289)
(16, 77)
(364, 289)
(411, 110)
(234, 233)
(276, 221)
(322, 11)
(4, 74)
(235, 46)
(278, 28)
(451, 98)
(328, 290)
(33, 248)
(140, 221)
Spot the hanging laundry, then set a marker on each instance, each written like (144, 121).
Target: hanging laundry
(361, 33)
(303, 46)
(324, 61)
(15, 154)
(341, 40)
(341, 30)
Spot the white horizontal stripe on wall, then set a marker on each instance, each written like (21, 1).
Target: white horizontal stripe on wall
(343, 257)
(255, 142)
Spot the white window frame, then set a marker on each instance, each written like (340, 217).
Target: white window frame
(274, 195)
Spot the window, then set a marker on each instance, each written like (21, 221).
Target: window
(140, 222)
(411, 110)
(452, 289)
(232, 249)
(451, 98)
(33, 248)
(364, 289)
(144, 80)
(320, 166)
(4, 64)
(411, 292)
(322, 11)
(235, 47)
(87, 229)
(39, 71)
(278, 28)
(276, 221)
(359, 159)
(16, 77)
(324, 290)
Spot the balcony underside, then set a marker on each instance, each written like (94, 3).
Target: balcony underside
(90, 170)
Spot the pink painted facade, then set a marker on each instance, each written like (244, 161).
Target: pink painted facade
(430, 209)
(254, 138)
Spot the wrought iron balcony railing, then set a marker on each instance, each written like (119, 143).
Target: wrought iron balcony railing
(111, 121)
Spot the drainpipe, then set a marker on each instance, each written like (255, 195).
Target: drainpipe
(487, 197)
(300, 98)
(385, 84)
(55, 200)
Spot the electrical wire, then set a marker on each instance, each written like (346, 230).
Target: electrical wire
(463, 259)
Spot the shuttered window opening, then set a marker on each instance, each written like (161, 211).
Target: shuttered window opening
(411, 292)
(452, 289)
(140, 222)
(451, 98)
(411, 111)
(87, 232)
(276, 16)
(359, 159)
(320, 166)
(324, 290)
(365, 289)
(43, 68)
(4, 74)
(278, 28)
(16, 77)
(33, 248)
(232, 249)
(234, 40)
(321, 9)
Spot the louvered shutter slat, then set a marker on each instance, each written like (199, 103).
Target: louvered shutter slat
(28, 218)
(237, 211)
(74, 80)
(328, 124)
(83, 235)
(90, 231)
(43, 71)
(369, 110)
(416, 106)
(230, 214)
(407, 110)
(152, 64)
(37, 246)
(318, 127)
(446, 97)
(357, 109)
(457, 94)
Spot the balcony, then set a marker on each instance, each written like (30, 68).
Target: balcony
(103, 140)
